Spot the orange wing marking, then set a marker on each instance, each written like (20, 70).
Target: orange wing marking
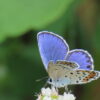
(91, 75)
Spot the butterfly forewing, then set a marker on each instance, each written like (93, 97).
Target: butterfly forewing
(51, 47)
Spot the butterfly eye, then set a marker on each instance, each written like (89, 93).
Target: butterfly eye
(50, 80)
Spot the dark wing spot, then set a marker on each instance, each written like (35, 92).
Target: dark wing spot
(88, 60)
(77, 81)
(56, 69)
(65, 75)
(84, 73)
(79, 78)
(64, 67)
(71, 73)
(88, 66)
(78, 72)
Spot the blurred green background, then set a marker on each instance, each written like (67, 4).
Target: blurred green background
(78, 21)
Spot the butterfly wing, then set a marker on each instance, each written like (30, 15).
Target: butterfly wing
(68, 65)
(62, 76)
(81, 57)
(51, 47)
(60, 67)
(83, 76)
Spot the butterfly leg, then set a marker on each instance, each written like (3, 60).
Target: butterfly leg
(56, 89)
(53, 87)
(66, 89)
(45, 85)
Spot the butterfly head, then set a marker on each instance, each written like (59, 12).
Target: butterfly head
(50, 81)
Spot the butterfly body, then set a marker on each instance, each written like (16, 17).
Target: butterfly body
(64, 66)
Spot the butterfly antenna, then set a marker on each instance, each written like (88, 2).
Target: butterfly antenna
(41, 79)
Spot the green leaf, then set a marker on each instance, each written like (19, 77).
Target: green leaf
(18, 16)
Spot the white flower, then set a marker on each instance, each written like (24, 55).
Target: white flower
(46, 91)
(66, 96)
(52, 94)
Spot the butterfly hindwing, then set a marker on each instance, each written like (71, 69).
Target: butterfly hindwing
(83, 76)
(69, 65)
(61, 75)
(60, 67)
(81, 57)
(51, 47)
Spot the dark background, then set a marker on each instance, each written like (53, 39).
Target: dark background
(78, 21)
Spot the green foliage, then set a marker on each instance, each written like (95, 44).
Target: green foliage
(20, 63)
(16, 17)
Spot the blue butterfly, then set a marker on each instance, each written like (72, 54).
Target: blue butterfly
(64, 66)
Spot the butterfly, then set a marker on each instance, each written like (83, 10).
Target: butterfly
(65, 67)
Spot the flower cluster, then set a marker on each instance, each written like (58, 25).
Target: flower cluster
(52, 94)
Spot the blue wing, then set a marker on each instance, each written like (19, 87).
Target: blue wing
(81, 57)
(51, 47)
